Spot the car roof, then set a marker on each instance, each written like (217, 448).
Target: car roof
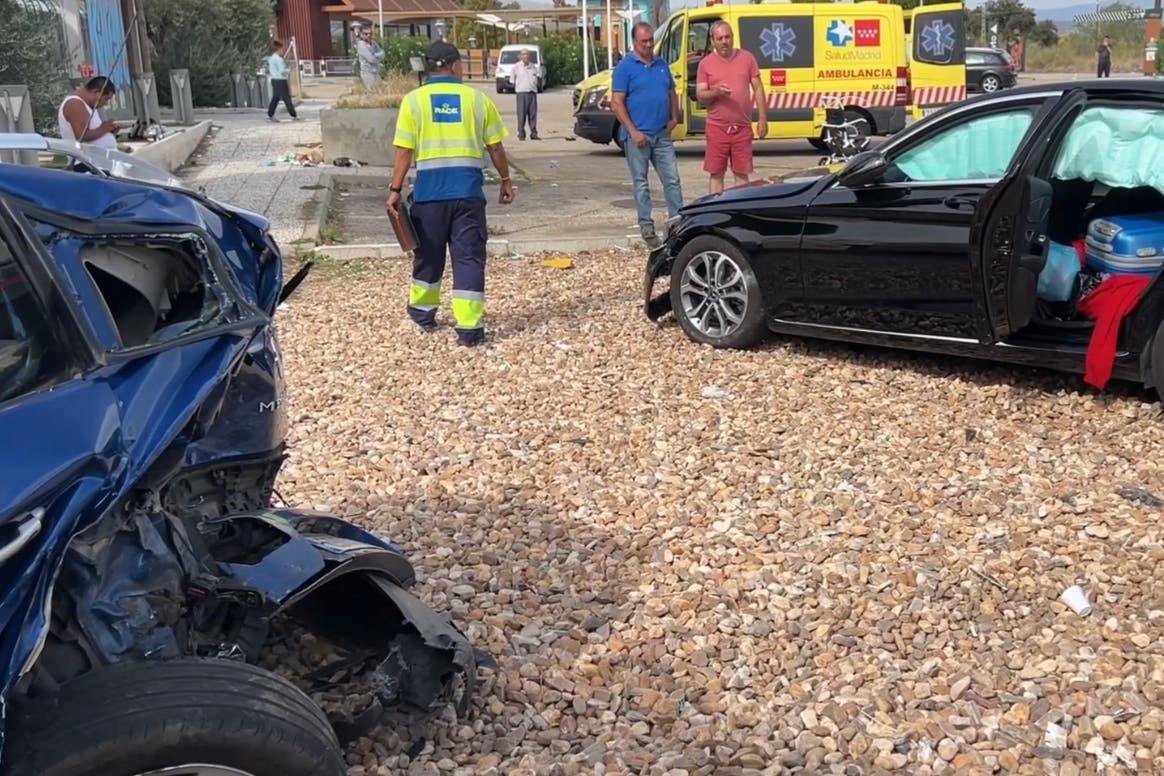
(1097, 86)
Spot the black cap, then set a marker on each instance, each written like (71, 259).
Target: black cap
(441, 54)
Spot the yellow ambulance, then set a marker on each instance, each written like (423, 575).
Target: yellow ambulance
(855, 51)
(935, 39)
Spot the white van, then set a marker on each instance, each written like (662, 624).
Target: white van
(508, 59)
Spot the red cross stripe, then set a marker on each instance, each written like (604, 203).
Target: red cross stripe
(812, 99)
(938, 95)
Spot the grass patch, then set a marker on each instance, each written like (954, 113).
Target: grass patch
(328, 269)
(387, 94)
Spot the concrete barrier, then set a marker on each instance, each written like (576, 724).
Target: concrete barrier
(174, 150)
(363, 134)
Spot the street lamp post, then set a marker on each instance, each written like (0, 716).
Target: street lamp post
(380, 11)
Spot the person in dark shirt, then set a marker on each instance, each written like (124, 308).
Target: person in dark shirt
(1103, 58)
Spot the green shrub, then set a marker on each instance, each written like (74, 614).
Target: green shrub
(563, 55)
(32, 46)
(211, 39)
(399, 50)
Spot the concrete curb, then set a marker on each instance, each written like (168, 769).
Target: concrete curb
(313, 225)
(507, 248)
(174, 150)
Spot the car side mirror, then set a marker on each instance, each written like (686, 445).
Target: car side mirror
(863, 169)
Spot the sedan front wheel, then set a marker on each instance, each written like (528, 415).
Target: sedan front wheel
(715, 295)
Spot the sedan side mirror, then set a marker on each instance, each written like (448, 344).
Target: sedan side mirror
(863, 169)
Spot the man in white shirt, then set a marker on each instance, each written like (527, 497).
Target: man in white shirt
(525, 86)
(79, 119)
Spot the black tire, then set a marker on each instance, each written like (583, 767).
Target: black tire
(818, 143)
(991, 83)
(1156, 354)
(618, 141)
(133, 718)
(752, 328)
(866, 127)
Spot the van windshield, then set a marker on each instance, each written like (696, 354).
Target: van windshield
(511, 56)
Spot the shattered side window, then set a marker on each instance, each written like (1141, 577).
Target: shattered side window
(978, 149)
(1119, 147)
(149, 289)
(27, 355)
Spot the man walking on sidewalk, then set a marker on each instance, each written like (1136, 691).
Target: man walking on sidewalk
(729, 84)
(525, 86)
(447, 126)
(647, 109)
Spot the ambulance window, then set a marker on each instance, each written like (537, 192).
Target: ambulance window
(978, 149)
(939, 38)
(699, 38)
(672, 48)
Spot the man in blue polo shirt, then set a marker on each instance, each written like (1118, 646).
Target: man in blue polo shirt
(647, 108)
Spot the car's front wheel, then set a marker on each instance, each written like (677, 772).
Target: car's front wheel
(180, 717)
(991, 83)
(716, 296)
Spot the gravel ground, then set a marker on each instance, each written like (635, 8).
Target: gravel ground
(807, 558)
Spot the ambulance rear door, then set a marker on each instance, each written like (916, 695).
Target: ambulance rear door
(783, 41)
(937, 56)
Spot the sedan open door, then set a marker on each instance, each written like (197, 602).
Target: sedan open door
(1008, 241)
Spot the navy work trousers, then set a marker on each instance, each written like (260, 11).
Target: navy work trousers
(458, 226)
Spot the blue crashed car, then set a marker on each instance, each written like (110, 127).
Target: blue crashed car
(147, 586)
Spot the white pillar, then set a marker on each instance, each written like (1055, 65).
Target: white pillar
(609, 37)
(585, 43)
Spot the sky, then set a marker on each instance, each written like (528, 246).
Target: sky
(1039, 5)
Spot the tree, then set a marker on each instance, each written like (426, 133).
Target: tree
(33, 49)
(1045, 33)
(1010, 15)
(212, 39)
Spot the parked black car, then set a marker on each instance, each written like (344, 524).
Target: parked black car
(937, 240)
(988, 70)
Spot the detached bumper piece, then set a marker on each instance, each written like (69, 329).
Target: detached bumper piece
(658, 265)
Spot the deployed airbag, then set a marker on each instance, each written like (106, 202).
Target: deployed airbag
(1119, 147)
(977, 150)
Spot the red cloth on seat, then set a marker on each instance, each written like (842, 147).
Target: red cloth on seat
(1081, 251)
(1107, 305)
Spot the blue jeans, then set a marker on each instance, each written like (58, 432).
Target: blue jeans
(659, 151)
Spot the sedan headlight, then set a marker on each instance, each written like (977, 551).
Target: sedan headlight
(593, 97)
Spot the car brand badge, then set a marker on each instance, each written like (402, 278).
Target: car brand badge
(937, 38)
(777, 42)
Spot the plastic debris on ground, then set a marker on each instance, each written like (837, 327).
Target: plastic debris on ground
(558, 262)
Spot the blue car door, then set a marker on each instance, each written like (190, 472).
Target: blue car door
(61, 446)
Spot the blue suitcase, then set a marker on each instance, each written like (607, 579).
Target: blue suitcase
(1126, 245)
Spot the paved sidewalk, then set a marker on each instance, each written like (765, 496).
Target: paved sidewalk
(230, 163)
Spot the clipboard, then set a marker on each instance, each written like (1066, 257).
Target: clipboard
(402, 224)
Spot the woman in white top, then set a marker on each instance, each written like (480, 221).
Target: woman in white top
(78, 117)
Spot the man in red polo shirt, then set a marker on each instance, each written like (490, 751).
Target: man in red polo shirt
(723, 82)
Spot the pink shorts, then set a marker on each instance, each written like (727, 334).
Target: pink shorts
(724, 145)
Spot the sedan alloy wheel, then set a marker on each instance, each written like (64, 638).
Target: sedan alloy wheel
(714, 294)
(991, 83)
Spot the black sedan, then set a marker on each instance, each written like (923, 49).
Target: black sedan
(988, 70)
(966, 234)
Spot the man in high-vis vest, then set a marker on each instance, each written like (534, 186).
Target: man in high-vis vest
(447, 127)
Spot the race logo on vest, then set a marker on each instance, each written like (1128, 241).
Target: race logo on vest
(446, 108)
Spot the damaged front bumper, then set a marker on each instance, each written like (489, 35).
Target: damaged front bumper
(270, 588)
(659, 262)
